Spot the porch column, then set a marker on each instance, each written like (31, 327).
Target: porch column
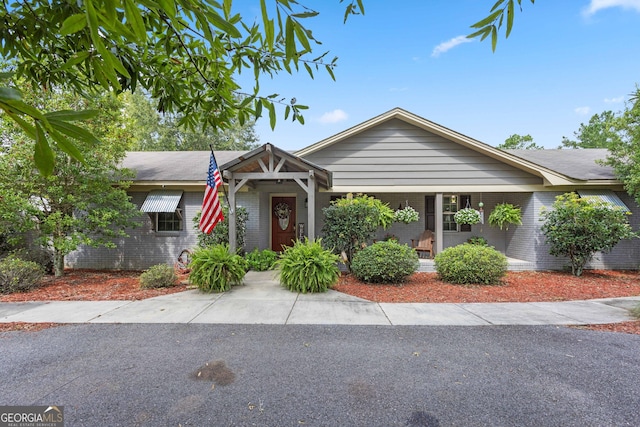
(438, 223)
(311, 206)
(232, 215)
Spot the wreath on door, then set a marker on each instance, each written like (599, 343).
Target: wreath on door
(283, 213)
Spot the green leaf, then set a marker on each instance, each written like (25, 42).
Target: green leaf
(290, 42)
(74, 131)
(71, 115)
(268, 24)
(489, 19)
(494, 37)
(74, 60)
(272, 114)
(64, 144)
(302, 36)
(73, 24)
(10, 94)
(484, 32)
(43, 156)
(497, 5)
(168, 7)
(26, 126)
(510, 13)
(24, 108)
(224, 25)
(134, 18)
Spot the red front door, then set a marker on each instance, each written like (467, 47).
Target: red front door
(283, 222)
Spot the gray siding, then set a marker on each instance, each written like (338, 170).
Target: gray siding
(145, 247)
(397, 153)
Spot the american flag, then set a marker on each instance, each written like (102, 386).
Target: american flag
(211, 208)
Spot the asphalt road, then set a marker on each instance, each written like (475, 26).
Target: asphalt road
(245, 375)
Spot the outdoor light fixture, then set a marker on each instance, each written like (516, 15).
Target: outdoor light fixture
(306, 202)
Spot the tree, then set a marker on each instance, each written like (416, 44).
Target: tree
(349, 223)
(519, 142)
(187, 54)
(577, 228)
(624, 152)
(153, 131)
(78, 202)
(600, 132)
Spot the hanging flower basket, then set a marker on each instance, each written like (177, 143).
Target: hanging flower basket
(467, 216)
(406, 215)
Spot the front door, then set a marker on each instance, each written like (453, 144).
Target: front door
(283, 222)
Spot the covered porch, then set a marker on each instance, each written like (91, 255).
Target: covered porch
(267, 167)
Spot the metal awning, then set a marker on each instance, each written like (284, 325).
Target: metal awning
(604, 196)
(162, 201)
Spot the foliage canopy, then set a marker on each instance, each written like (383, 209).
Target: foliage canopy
(577, 228)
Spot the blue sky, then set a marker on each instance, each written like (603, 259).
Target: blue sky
(564, 61)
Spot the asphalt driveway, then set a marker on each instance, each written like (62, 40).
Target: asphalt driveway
(311, 375)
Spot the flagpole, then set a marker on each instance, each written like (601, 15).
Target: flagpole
(226, 196)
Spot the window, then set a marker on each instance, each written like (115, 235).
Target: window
(449, 209)
(452, 203)
(169, 221)
(164, 209)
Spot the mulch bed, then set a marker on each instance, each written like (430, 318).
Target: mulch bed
(524, 286)
(92, 285)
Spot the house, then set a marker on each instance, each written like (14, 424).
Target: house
(398, 157)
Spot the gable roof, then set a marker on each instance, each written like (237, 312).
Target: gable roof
(551, 177)
(257, 163)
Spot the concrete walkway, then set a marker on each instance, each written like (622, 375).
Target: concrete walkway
(263, 301)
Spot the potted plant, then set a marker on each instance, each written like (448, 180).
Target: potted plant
(505, 214)
(468, 216)
(406, 215)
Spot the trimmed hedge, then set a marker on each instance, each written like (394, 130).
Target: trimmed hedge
(469, 264)
(385, 262)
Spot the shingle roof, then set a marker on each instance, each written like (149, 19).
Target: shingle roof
(578, 164)
(174, 165)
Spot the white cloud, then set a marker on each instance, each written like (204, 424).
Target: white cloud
(597, 5)
(398, 89)
(334, 116)
(615, 100)
(583, 111)
(450, 44)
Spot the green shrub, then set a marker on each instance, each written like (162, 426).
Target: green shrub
(308, 267)
(37, 254)
(17, 275)
(215, 269)
(352, 221)
(158, 276)
(385, 262)
(478, 240)
(579, 227)
(468, 264)
(261, 260)
(635, 311)
(220, 233)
